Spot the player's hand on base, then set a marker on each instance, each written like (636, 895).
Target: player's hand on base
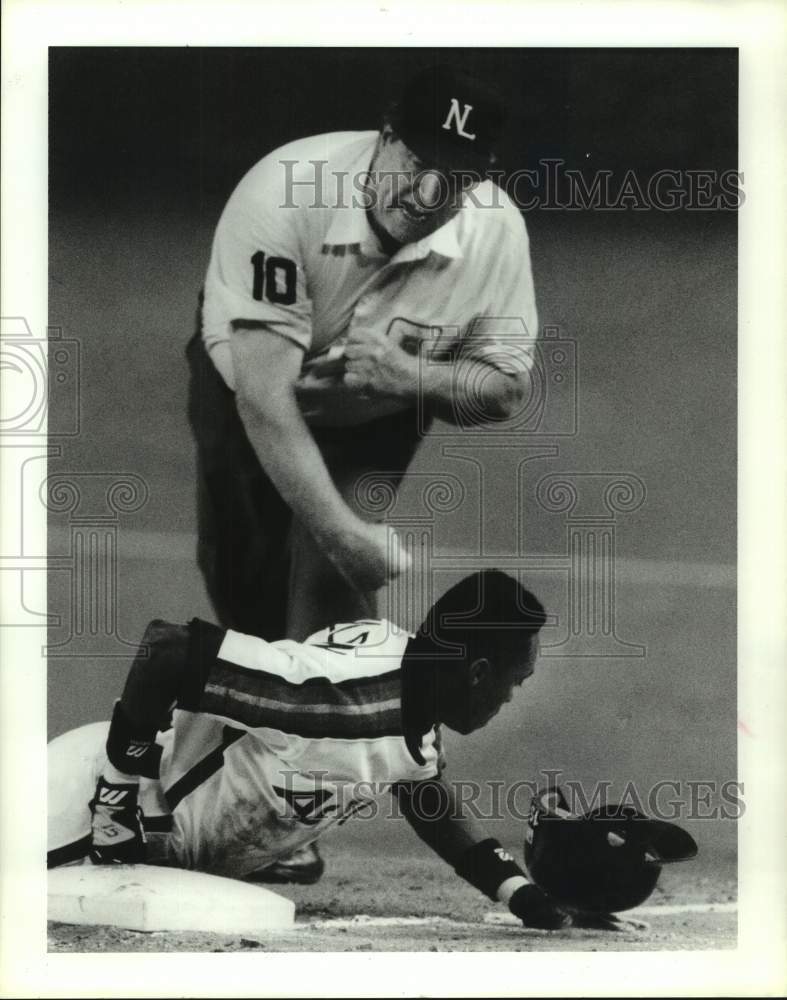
(535, 909)
(371, 556)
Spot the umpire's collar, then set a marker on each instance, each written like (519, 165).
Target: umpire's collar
(349, 229)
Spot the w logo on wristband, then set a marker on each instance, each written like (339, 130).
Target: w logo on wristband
(137, 749)
(111, 796)
(503, 854)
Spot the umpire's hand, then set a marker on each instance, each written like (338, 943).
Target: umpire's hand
(369, 555)
(383, 364)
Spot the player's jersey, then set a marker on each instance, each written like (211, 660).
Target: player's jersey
(303, 735)
(294, 250)
(298, 740)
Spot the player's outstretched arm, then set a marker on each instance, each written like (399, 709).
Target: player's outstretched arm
(266, 368)
(439, 819)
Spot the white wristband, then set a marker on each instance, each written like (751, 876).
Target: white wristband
(115, 777)
(507, 888)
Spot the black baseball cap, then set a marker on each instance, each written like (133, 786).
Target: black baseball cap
(450, 119)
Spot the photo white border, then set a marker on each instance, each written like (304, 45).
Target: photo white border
(759, 30)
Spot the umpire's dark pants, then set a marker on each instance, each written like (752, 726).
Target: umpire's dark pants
(263, 571)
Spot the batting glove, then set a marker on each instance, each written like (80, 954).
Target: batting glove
(535, 909)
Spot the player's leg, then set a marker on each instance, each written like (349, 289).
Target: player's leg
(230, 812)
(74, 762)
(243, 523)
(133, 753)
(303, 866)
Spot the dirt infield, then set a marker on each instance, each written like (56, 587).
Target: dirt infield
(400, 903)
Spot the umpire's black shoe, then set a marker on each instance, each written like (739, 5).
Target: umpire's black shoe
(304, 867)
(116, 834)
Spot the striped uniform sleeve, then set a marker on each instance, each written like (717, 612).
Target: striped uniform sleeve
(301, 689)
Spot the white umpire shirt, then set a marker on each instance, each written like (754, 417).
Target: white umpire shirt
(294, 251)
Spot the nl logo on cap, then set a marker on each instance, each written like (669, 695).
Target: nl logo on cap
(458, 120)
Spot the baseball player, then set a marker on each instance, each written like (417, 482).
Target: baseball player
(360, 284)
(273, 743)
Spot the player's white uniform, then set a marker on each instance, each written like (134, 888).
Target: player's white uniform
(295, 742)
(294, 250)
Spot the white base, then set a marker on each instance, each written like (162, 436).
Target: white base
(147, 898)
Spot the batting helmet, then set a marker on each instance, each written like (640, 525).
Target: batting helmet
(602, 862)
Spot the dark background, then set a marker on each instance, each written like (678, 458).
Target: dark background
(145, 147)
(187, 123)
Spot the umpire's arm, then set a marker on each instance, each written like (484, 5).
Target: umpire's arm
(467, 389)
(472, 392)
(266, 368)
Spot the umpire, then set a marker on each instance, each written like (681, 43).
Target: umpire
(360, 284)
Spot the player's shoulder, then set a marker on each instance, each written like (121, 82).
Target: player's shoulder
(327, 147)
(307, 168)
(491, 215)
(363, 633)
(363, 648)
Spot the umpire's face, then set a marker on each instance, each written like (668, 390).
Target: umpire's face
(488, 683)
(410, 198)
